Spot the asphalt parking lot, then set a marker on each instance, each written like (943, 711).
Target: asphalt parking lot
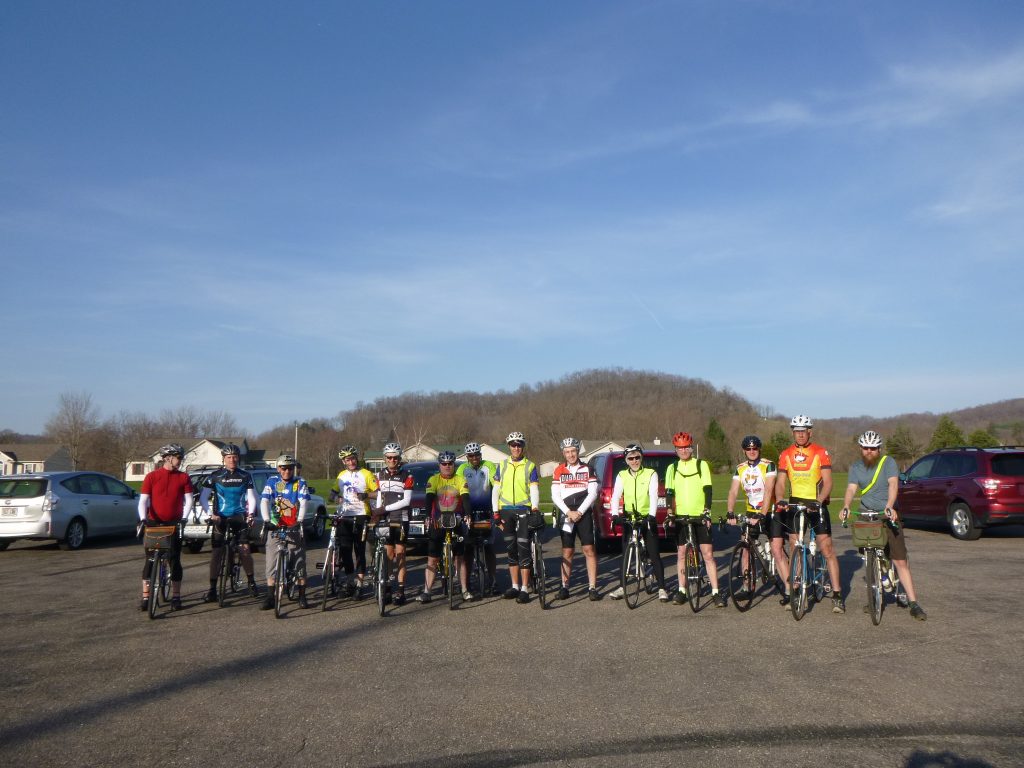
(91, 681)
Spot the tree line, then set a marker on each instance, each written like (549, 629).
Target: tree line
(615, 404)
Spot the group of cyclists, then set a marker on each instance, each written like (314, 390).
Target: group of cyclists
(503, 501)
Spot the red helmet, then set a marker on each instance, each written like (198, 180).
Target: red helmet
(682, 440)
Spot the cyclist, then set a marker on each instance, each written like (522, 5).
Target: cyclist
(446, 493)
(165, 499)
(756, 476)
(877, 479)
(515, 499)
(478, 474)
(283, 503)
(355, 485)
(234, 506)
(637, 487)
(809, 469)
(573, 492)
(688, 488)
(394, 496)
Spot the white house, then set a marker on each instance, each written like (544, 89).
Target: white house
(22, 458)
(197, 454)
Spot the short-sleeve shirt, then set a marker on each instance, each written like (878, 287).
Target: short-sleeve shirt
(448, 491)
(878, 496)
(284, 497)
(393, 486)
(754, 479)
(479, 483)
(230, 490)
(804, 466)
(166, 489)
(351, 483)
(573, 482)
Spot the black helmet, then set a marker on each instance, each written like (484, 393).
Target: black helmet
(751, 441)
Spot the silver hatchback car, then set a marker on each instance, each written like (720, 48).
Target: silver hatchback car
(67, 506)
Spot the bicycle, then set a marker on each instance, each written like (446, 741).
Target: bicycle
(695, 571)
(329, 567)
(805, 559)
(379, 575)
(637, 572)
(231, 564)
(286, 578)
(449, 522)
(760, 564)
(479, 575)
(869, 537)
(158, 540)
(535, 524)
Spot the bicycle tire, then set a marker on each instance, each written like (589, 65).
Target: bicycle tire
(381, 574)
(479, 573)
(328, 578)
(797, 582)
(741, 579)
(539, 573)
(165, 578)
(693, 579)
(280, 584)
(630, 575)
(450, 570)
(236, 570)
(224, 576)
(819, 575)
(154, 584)
(873, 577)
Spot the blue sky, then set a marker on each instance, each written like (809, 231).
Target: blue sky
(280, 209)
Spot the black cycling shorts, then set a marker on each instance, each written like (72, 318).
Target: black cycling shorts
(435, 541)
(702, 534)
(583, 528)
(238, 525)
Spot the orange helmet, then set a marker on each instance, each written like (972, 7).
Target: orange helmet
(682, 440)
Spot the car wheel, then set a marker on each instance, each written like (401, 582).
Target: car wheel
(319, 525)
(4, 544)
(74, 536)
(961, 523)
(195, 546)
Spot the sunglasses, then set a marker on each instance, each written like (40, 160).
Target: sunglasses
(286, 469)
(516, 445)
(473, 455)
(392, 458)
(869, 448)
(447, 463)
(633, 458)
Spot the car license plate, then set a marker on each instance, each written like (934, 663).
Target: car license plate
(10, 511)
(195, 532)
(415, 529)
(662, 502)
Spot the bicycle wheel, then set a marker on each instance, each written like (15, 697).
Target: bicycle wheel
(452, 573)
(479, 570)
(630, 574)
(236, 570)
(154, 583)
(327, 578)
(873, 578)
(539, 574)
(282, 575)
(693, 579)
(819, 574)
(380, 570)
(798, 582)
(742, 581)
(224, 576)
(165, 578)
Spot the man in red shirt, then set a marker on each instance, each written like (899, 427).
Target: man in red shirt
(166, 498)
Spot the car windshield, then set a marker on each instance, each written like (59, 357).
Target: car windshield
(659, 464)
(421, 473)
(1011, 464)
(22, 489)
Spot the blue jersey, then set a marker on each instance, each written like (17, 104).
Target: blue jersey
(229, 489)
(284, 498)
(478, 481)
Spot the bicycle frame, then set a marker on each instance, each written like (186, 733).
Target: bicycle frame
(879, 569)
(805, 559)
(696, 572)
(636, 572)
(743, 577)
(285, 570)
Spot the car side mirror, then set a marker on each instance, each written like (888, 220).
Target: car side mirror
(903, 477)
(135, 494)
(312, 489)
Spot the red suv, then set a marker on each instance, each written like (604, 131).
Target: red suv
(606, 466)
(968, 488)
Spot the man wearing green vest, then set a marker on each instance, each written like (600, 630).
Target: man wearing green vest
(878, 482)
(515, 499)
(637, 487)
(688, 488)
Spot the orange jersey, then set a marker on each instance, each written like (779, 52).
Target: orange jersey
(804, 465)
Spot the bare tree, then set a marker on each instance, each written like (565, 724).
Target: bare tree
(70, 426)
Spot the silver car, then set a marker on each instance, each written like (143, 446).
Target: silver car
(70, 507)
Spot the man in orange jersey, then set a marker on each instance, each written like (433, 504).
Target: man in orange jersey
(809, 470)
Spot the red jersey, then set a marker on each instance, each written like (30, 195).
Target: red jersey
(804, 465)
(166, 489)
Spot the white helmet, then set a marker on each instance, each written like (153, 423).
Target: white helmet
(472, 448)
(572, 442)
(870, 439)
(393, 449)
(801, 422)
(516, 437)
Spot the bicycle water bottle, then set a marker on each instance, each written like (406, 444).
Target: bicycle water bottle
(814, 546)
